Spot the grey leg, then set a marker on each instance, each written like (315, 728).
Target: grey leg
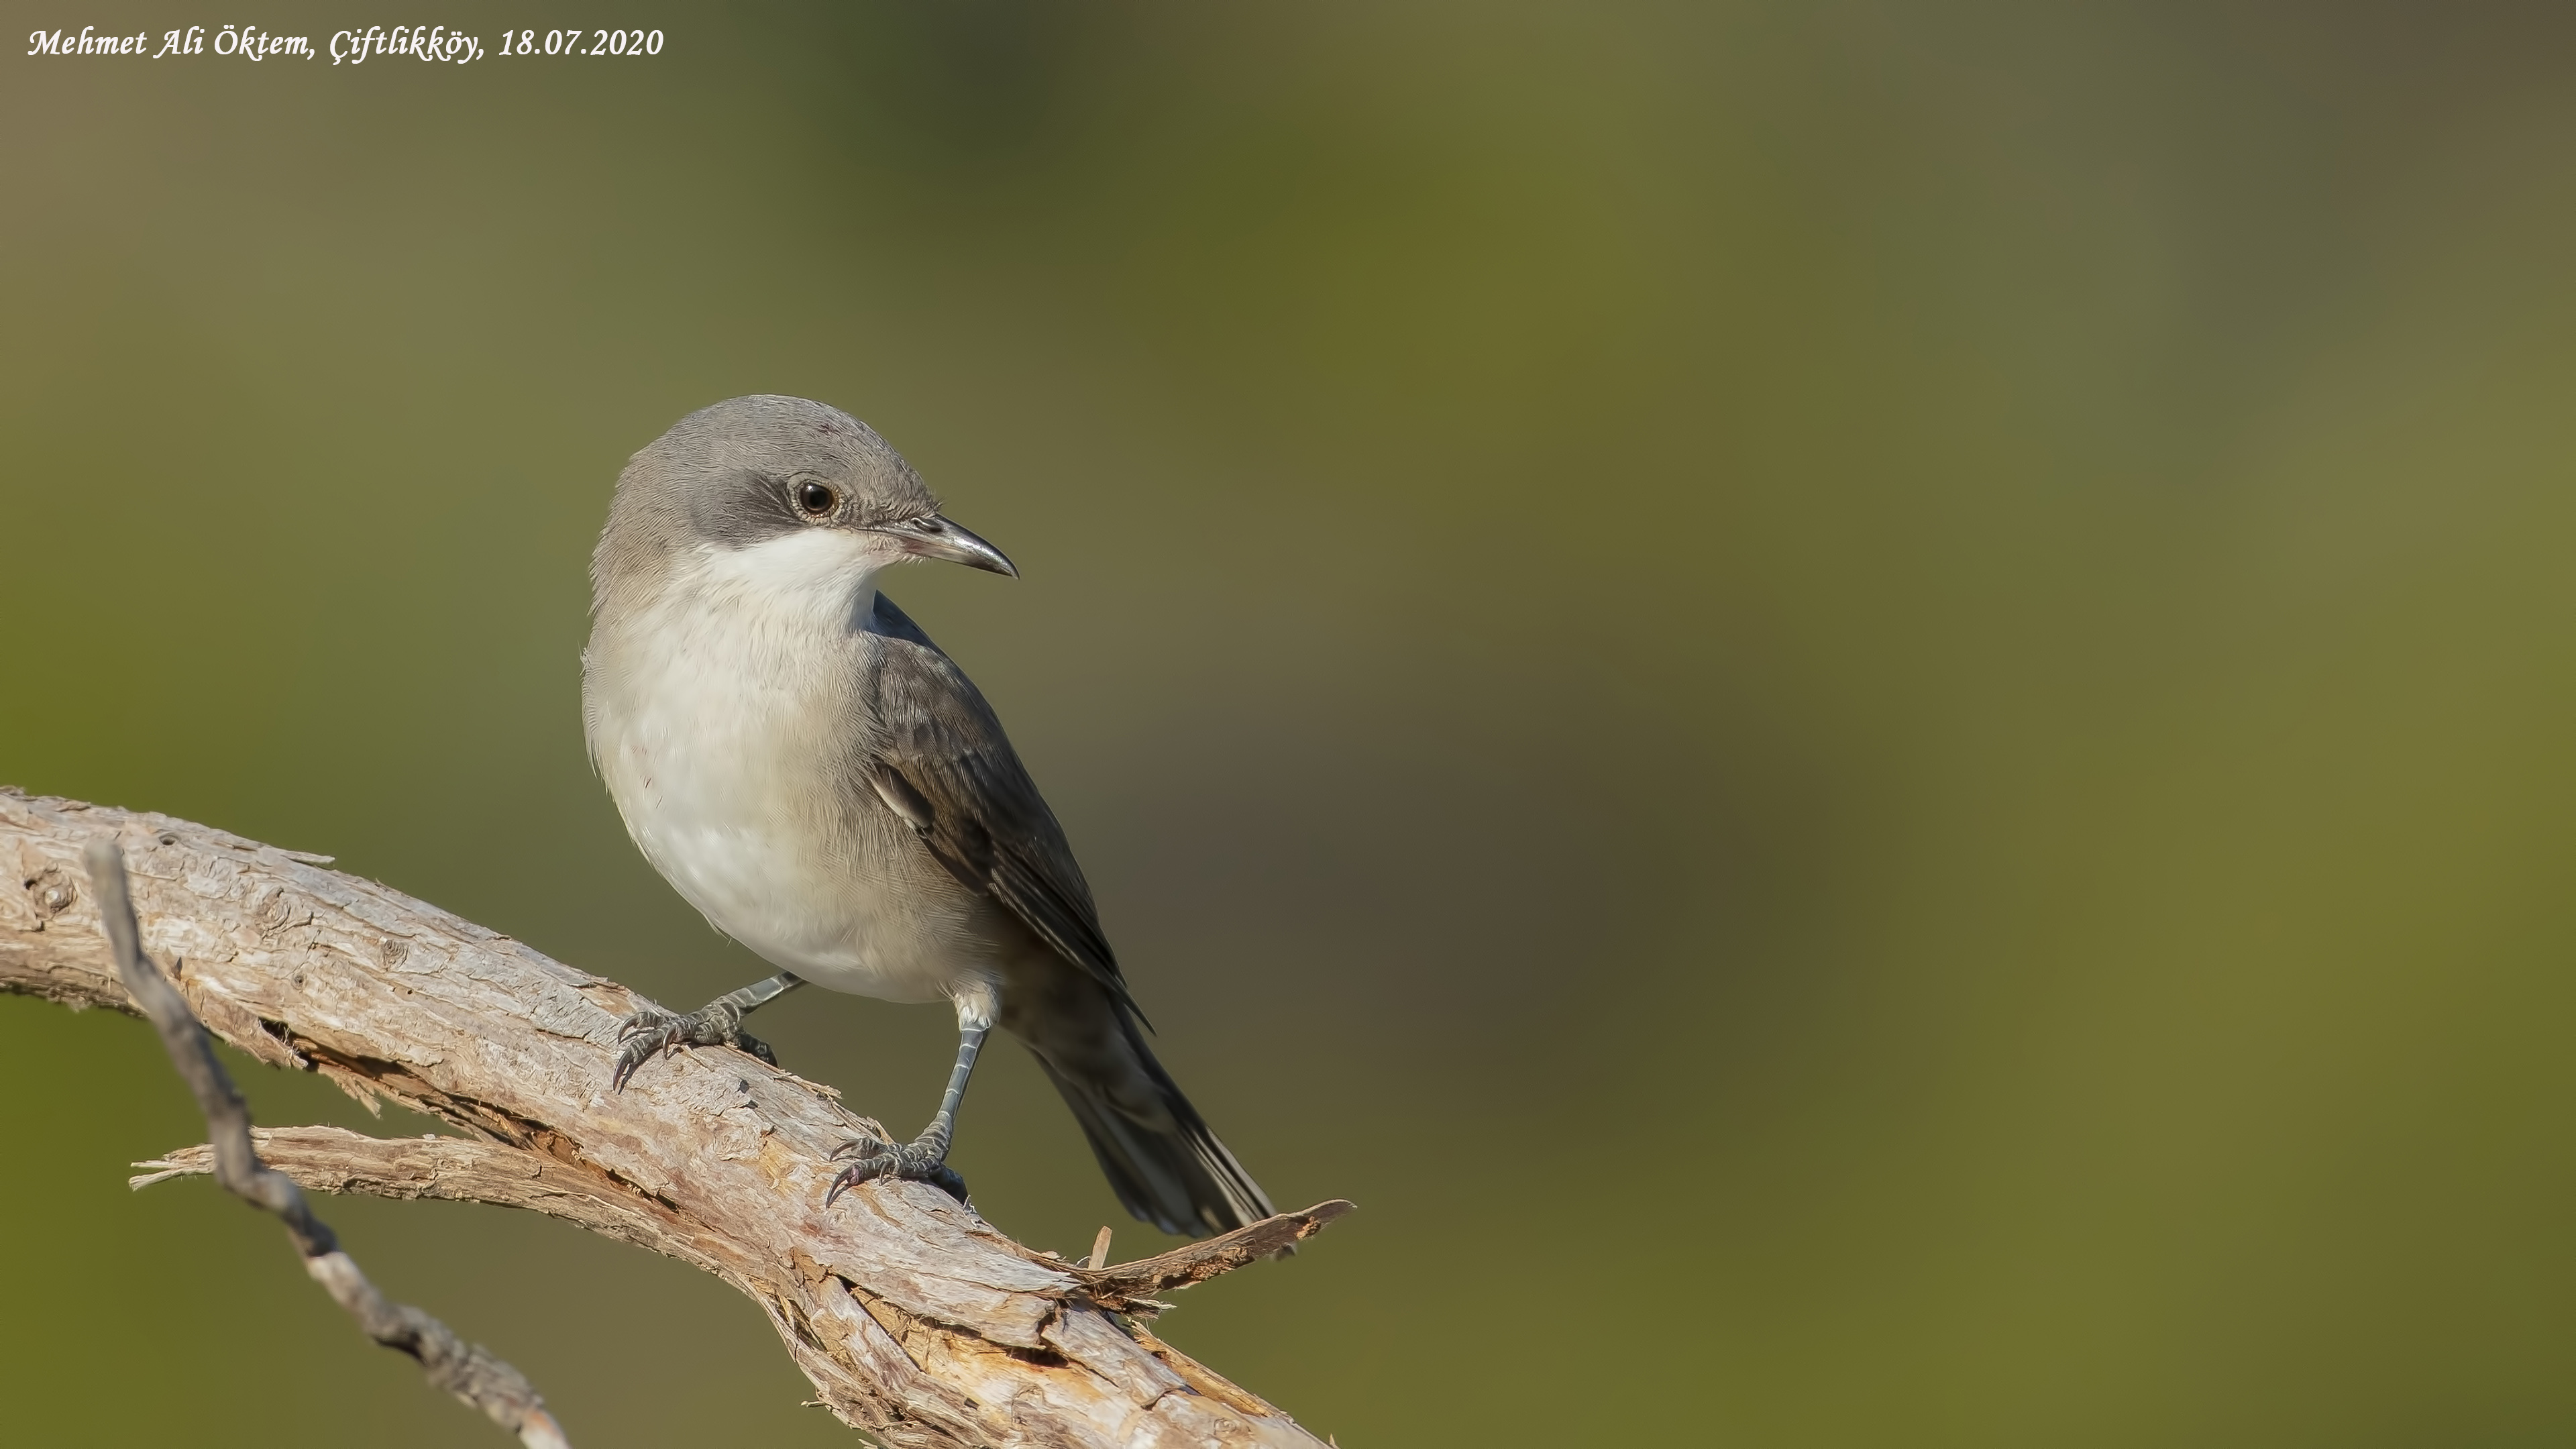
(925, 1158)
(718, 1023)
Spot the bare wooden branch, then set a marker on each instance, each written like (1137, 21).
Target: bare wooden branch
(1125, 1285)
(915, 1320)
(467, 1370)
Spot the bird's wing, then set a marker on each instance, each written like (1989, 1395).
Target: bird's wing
(952, 775)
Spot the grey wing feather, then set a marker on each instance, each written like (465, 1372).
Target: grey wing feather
(951, 773)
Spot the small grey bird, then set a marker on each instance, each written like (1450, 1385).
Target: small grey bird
(801, 763)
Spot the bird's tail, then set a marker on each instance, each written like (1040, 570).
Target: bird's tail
(1165, 1165)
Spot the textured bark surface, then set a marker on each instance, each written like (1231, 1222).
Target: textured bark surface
(915, 1319)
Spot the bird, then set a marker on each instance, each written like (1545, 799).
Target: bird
(823, 783)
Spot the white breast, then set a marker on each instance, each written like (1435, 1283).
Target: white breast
(723, 717)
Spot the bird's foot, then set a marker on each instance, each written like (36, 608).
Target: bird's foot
(650, 1032)
(925, 1160)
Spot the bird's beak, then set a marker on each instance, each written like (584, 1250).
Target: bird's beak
(936, 537)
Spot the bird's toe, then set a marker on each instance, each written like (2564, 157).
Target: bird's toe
(902, 1161)
(638, 1044)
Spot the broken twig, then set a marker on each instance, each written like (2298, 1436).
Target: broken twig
(464, 1369)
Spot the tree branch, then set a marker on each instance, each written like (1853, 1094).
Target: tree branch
(915, 1319)
(464, 1369)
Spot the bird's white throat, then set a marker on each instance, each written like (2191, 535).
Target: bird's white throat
(815, 578)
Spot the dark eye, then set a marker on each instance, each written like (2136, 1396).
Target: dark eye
(814, 498)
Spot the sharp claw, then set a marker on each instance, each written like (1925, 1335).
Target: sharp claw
(649, 1031)
(851, 1176)
(640, 1037)
(909, 1162)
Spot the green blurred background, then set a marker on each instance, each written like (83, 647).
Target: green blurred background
(1864, 709)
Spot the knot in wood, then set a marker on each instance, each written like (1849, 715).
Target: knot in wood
(268, 909)
(52, 892)
(392, 951)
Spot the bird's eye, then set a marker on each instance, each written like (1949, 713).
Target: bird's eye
(815, 499)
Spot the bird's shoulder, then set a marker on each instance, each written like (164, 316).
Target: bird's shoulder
(929, 713)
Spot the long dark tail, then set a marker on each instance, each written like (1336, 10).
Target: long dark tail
(1165, 1165)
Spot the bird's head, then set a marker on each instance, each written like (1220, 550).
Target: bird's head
(774, 493)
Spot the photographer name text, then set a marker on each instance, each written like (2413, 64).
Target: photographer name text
(432, 43)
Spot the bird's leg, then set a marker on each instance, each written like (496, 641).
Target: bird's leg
(925, 1158)
(718, 1023)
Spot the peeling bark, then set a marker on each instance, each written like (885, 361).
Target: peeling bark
(915, 1319)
